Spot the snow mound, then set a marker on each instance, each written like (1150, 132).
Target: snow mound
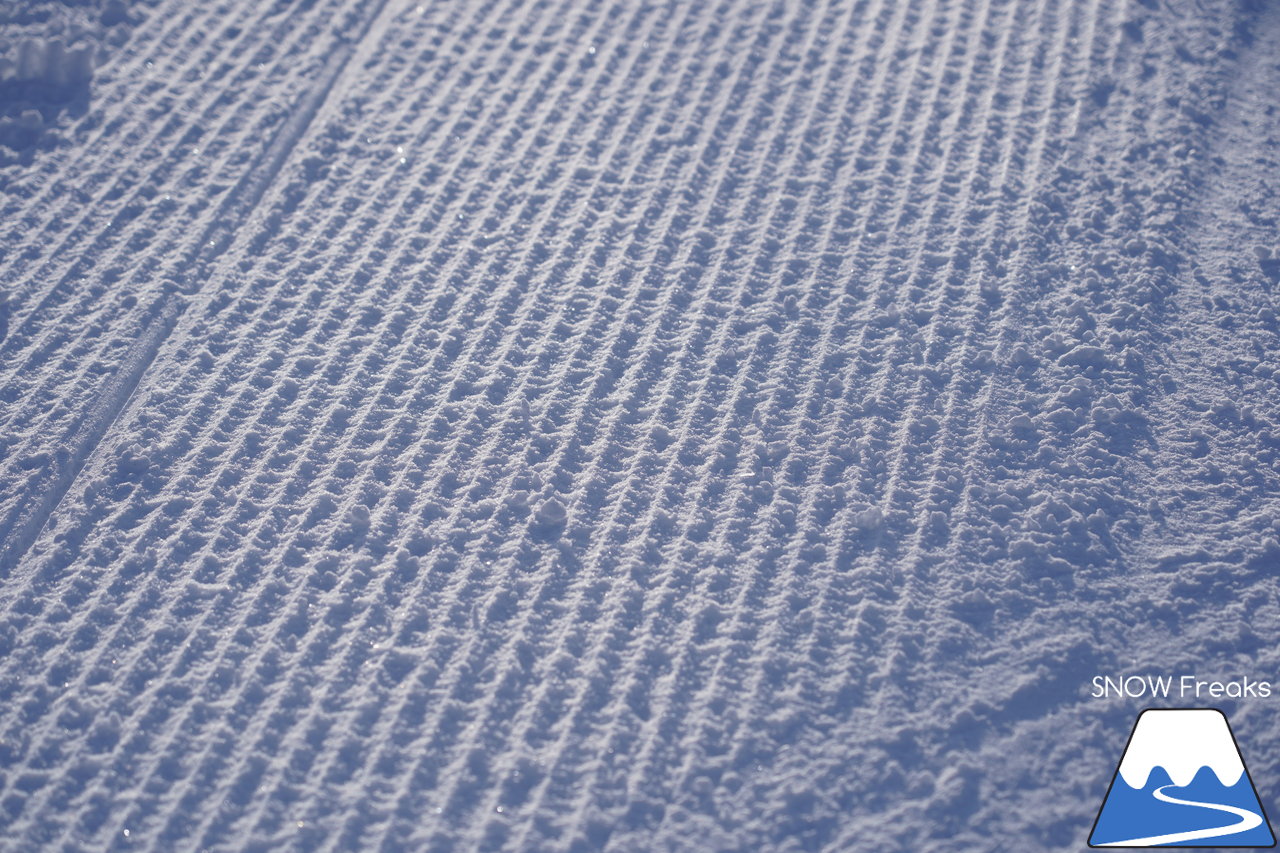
(52, 63)
(49, 50)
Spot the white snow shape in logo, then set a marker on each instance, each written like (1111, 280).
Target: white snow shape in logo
(1181, 741)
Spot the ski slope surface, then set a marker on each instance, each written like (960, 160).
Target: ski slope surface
(741, 425)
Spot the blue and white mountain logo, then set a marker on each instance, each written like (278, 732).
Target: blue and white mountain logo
(1181, 783)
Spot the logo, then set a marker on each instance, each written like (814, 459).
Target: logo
(1181, 782)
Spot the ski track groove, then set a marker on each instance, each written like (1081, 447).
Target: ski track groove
(104, 411)
(102, 132)
(720, 285)
(282, 783)
(337, 839)
(103, 238)
(42, 424)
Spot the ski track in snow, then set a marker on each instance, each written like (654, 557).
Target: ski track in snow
(588, 424)
(1247, 820)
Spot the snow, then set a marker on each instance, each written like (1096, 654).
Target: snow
(632, 426)
(1182, 742)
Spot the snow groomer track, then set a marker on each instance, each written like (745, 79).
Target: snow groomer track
(630, 426)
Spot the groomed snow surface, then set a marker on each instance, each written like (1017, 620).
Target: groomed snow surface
(741, 425)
